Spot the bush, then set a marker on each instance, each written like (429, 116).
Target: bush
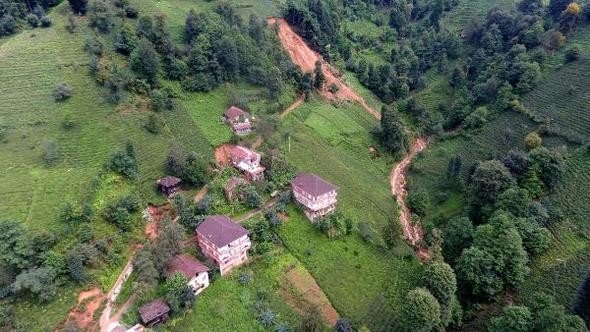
(153, 124)
(573, 53)
(7, 25)
(124, 163)
(50, 152)
(418, 202)
(46, 22)
(533, 140)
(32, 20)
(62, 92)
(131, 12)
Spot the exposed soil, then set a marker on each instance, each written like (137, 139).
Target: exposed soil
(310, 293)
(292, 107)
(201, 193)
(223, 155)
(82, 315)
(105, 318)
(303, 56)
(397, 178)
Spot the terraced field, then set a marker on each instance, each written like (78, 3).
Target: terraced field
(469, 10)
(563, 268)
(562, 99)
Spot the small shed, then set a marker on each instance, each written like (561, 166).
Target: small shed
(169, 185)
(155, 312)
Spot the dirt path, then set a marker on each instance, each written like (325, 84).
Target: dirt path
(397, 178)
(267, 205)
(82, 315)
(303, 56)
(292, 107)
(308, 291)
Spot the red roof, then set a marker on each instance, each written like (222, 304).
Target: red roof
(312, 184)
(241, 153)
(153, 310)
(188, 266)
(235, 112)
(169, 181)
(221, 230)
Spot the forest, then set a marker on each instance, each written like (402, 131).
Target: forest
(493, 216)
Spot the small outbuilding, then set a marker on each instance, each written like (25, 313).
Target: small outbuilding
(192, 269)
(238, 119)
(169, 185)
(154, 313)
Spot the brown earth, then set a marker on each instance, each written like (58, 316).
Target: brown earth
(303, 56)
(300, 100)
(82, 315)
(310, 293)
(201, 193)
(223, 155)
(397, 178)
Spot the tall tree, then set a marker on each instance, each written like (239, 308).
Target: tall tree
(79, 6)
(393, 134)
(420, 311)
(439, 278)
(144, 61)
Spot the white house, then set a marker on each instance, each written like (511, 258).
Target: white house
(193, 270)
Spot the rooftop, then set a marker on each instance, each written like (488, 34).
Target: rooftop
(234, 112)
(187, 265)
(153, 310)
(169, 181)
(313, 184)
(221, 230)
(241, 153)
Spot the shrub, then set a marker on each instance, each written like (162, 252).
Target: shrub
(124, 163)
(153, 124)
(32, 20)
(267, 318)
(62, 92)
(533, 140)
(252, 198)
(573, 53)
(7, 25)
(131, 12)
(50, 152)
(46, 22)
(72, 24)
(418, 202)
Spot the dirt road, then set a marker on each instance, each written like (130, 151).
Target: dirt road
(397, 179)
(303, 56)
(291, 107)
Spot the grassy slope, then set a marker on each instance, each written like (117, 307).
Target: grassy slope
(469, 10)
(34, 62)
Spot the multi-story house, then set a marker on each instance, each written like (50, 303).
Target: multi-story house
(194, 271)
(316, 196)
(248, 162)
(239, 120)
(224, 242)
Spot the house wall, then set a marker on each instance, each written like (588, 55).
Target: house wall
(314, 202)
(227, 257)
(199, 282)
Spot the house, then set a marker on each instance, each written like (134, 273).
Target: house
(224, 242)
(248, 162)
(154, 313)
(169, 185)
(316, 195)
(232, 186)
(192, 269)
(239, 120)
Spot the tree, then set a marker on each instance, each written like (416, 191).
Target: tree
(556, 40)
(393, 134)
(147, 275)
(124, 163)
(573, 53)
(343, 325)
(548, 315)
(550, 163)
(76, 267)
(153, 124)
(517, 162)
(319, 78)
(100, 15)
(490, 179)
(126, 39)
(306, 84)
(226, 52)
(514, 200)
(513, 319)
(175, 288)
(144, 61)
(168, 244)
(532, 140)
(62, 92)
(418, 201)
(420, 311)
(556, 7)
(15, 248)
(312, 319)
(38, 282)
(439, 278)
(252, 198)
(535, 239)
(458, 235)
(32, 20)
(581, 305)
(79, 6)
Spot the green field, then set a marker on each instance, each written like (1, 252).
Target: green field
(472, 10)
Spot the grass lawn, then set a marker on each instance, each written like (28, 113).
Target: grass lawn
(364, 284)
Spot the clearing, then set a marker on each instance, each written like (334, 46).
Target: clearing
(303, 56)
(82, 315)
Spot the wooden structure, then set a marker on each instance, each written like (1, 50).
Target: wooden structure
(154, 313)
(169, 185)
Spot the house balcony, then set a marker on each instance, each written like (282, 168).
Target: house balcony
(316, 205)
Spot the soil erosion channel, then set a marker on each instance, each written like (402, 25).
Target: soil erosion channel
(303, 56)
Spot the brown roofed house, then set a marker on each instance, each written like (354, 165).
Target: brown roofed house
(238, 119)
(154, 313)
(223, 241)
(192, 269)
(169, 185)
(248, 162)
(316, 195)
